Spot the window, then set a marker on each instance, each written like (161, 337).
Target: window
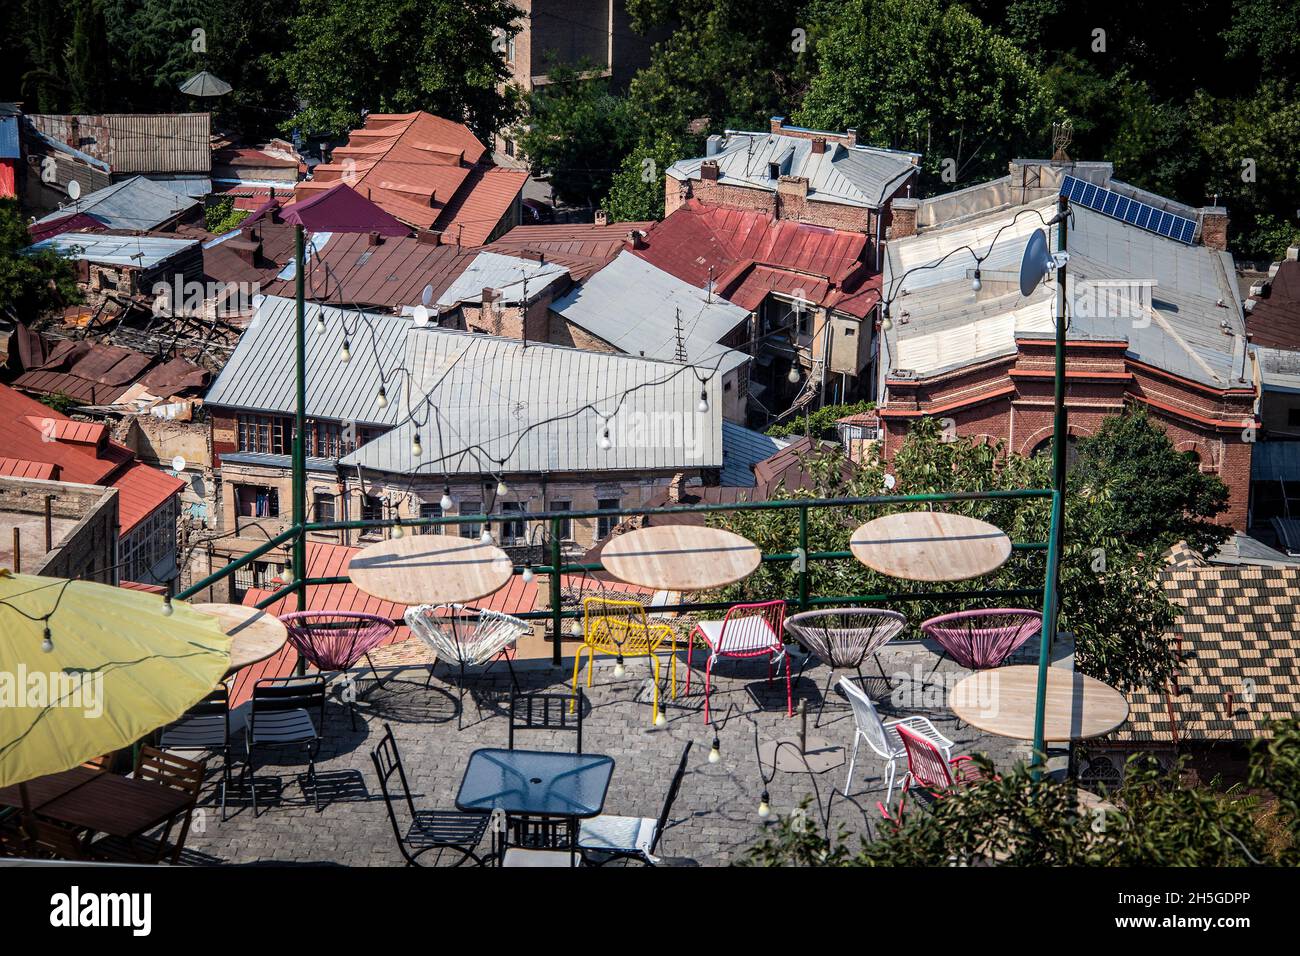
(264, 434)
(259, 574)
(257, 501)
(372, 508)
(431, 510)
(471, 508)
(566, 524)
(803, 320)
(515, 530)
(605, 523)
(149, 545)
(1293, 417)
(325, 440)
(323, 505)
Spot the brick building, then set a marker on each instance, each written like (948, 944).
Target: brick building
(788, 172)
(1154, 321)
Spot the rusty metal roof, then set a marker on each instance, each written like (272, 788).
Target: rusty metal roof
(136, 142)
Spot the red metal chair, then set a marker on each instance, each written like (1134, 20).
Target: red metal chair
(981, 639)
(337, 641)
(747, 630)
(928, 770)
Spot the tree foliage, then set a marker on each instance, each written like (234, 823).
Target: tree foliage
(30, 283)
(637, 191)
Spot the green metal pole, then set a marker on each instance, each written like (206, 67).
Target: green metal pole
(300, 420)
(803, 547)
(1051, 597)
(557, 621)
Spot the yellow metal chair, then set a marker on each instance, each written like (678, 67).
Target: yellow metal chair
(620, 628)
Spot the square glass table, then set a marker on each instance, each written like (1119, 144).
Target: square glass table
(535, 782)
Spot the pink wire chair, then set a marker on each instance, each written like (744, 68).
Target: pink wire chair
(981, 639)
(337, 640)
(928, 769)
(747, 630)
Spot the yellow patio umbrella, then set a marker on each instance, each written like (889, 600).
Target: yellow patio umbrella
(86, 669)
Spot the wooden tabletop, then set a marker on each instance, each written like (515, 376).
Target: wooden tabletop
(255, 635)
(930, 546)
(44, 789)
(431, 569)
(1001, 701)
(100, 801)
(678, 557)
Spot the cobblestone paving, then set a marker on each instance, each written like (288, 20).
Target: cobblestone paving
(713, 822)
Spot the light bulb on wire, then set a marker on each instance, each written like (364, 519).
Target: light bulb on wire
(320, 321)
(345, 353)
(446, 503)
(605, 443)
(975, 283)
(704, 400)
(486, 536)
(397, 528)
(619, 670)
(715, 753)
(764, 808)
(661, 719)
(167, 608)
(47, 642)
(793, 377)
(528, 574)
(382, 398)
(416, 448)
(502, 488)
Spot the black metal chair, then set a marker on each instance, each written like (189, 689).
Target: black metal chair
(428, 829)
(608, 837)
(204, 728)
(534, 840)
(280, 715)
(546, 712)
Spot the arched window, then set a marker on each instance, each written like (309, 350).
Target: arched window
(1044, 447)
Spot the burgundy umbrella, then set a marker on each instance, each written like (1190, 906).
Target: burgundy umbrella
(342, 209)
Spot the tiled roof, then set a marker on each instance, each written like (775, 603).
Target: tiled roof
(1239, 656)
(81, 453)
(427, 171)
(582, 248)
(748, 255)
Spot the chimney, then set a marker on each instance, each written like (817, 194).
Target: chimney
(793, 186)
(709, 170)
(818, 145)
(533, 255)
(904, 217)
(713, 145)
(1214, 228)
(635, 239)
(490, 297)
(850, 137)
(374, 239)
(675, 487)
(777, 124)
(429, 238)
(602, 217)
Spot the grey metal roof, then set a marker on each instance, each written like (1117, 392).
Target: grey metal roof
(1275, 461)
(1241, 548)
(276, 461)
(136, 203)
(849, 175)
(259, 375)
(487, 392)
(939, 323)
(742, 449)
(143, 252)
(507, 274)
(633, 306)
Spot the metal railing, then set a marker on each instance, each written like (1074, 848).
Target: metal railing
(557, 567)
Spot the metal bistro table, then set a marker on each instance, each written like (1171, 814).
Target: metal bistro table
(535, 783)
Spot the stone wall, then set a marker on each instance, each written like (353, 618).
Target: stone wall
(84, 528)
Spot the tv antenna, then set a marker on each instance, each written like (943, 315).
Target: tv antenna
(1062, 136)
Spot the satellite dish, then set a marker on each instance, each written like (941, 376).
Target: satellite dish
(1036, 263)
(421, 315)
(74, 189)
(426, 297)
(178, 463)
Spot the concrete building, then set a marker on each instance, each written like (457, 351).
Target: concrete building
(58, 528)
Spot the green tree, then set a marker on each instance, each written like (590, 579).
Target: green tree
(637, 190)
(925, 76)
(87, 67)
(394, 56)
(820, 423)
(30, 283)
(1275, 768)
(576, 135)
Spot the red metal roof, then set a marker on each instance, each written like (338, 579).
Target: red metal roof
(34, 433)
(73, 222)
(22, 468)
(748, 254)
(427, 171)
(1274, 321)
(580, 247)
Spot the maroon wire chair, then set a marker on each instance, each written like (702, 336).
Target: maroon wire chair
(978, 640)
(747, 630)
(337, 640)
(930, 772)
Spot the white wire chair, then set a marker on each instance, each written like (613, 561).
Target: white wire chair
(883, 737)
(464, 637)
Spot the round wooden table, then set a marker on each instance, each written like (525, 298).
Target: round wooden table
(431, 569)
(680, 557)
(1001, 701)
(255, 635)
(930, 546)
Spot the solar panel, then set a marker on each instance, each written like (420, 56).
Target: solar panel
(1114, 206)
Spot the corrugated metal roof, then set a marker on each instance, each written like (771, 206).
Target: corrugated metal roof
(581, 247)
(259, 375)
(136, 142)
(509, 275)
(940, 323)
(488, 391)
(742, 449)
(634, 307)
(9, 148)
(1275, 461)
(136, 203)
(143, 252)
(849, 175)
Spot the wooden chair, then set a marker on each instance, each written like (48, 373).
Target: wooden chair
(166, 770)
(46, 840)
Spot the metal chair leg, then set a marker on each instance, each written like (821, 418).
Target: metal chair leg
(825, 693)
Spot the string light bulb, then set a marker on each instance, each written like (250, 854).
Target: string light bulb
(286, 575)
(605, 443)
(619, 670)
(486, 536)
(502, 488)
(793, 377)
(528, 574)
(397, 528)
(345, 353)
(715, 752)
(660, 719)
(704, 400)
(47, 642)
(764, 808)
(416, 448)
(975, 283)
(167, 608)
(382, 398)
(320, 321)
(446, 503)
